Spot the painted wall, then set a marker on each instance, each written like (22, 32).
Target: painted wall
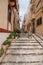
(3, 13)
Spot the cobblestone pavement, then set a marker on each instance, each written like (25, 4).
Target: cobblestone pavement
(25, 51)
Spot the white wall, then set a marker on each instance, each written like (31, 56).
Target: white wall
(3, 37)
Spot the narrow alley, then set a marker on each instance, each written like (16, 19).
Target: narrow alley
(21, 32)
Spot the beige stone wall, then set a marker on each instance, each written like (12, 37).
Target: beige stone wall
(42, 17)
(4, 16)
(39, 29)
(15, 19)
(12, 19)
(3, 13)
(38, 14)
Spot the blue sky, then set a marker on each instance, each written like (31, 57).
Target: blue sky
(23, 6)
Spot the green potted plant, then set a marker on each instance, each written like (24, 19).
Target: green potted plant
(17, 33)
(14, 34)
(16, 37)
(6, 43)
(10, 37)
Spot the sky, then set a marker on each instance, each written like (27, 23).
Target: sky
(23, 6)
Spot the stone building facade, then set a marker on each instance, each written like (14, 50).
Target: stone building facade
(35, 17)
(9, 15)
(36, 8)
(26, 22)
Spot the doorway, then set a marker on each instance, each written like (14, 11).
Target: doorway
(33, 30)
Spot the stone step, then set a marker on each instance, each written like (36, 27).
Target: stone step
(32, 44)
(31, 41)
(25, 54)
(37, 38)
(26, 40)
(31, 37)
(38, 63)
(41, 44)
(24, 51)
(24, 44)
(25, 47)
(23, 58)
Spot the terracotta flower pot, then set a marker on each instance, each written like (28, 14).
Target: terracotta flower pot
(5, 47)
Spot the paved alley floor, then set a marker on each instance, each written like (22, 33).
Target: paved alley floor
(24, 51)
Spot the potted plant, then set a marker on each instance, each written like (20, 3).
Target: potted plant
(15, 35)
(18, 35)
(17, 31)
(6, 43)
(10, 37)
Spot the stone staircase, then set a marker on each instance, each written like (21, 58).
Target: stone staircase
(24, 51)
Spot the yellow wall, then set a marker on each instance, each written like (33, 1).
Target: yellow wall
(3, 13)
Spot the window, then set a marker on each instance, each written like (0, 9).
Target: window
(39, 21)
